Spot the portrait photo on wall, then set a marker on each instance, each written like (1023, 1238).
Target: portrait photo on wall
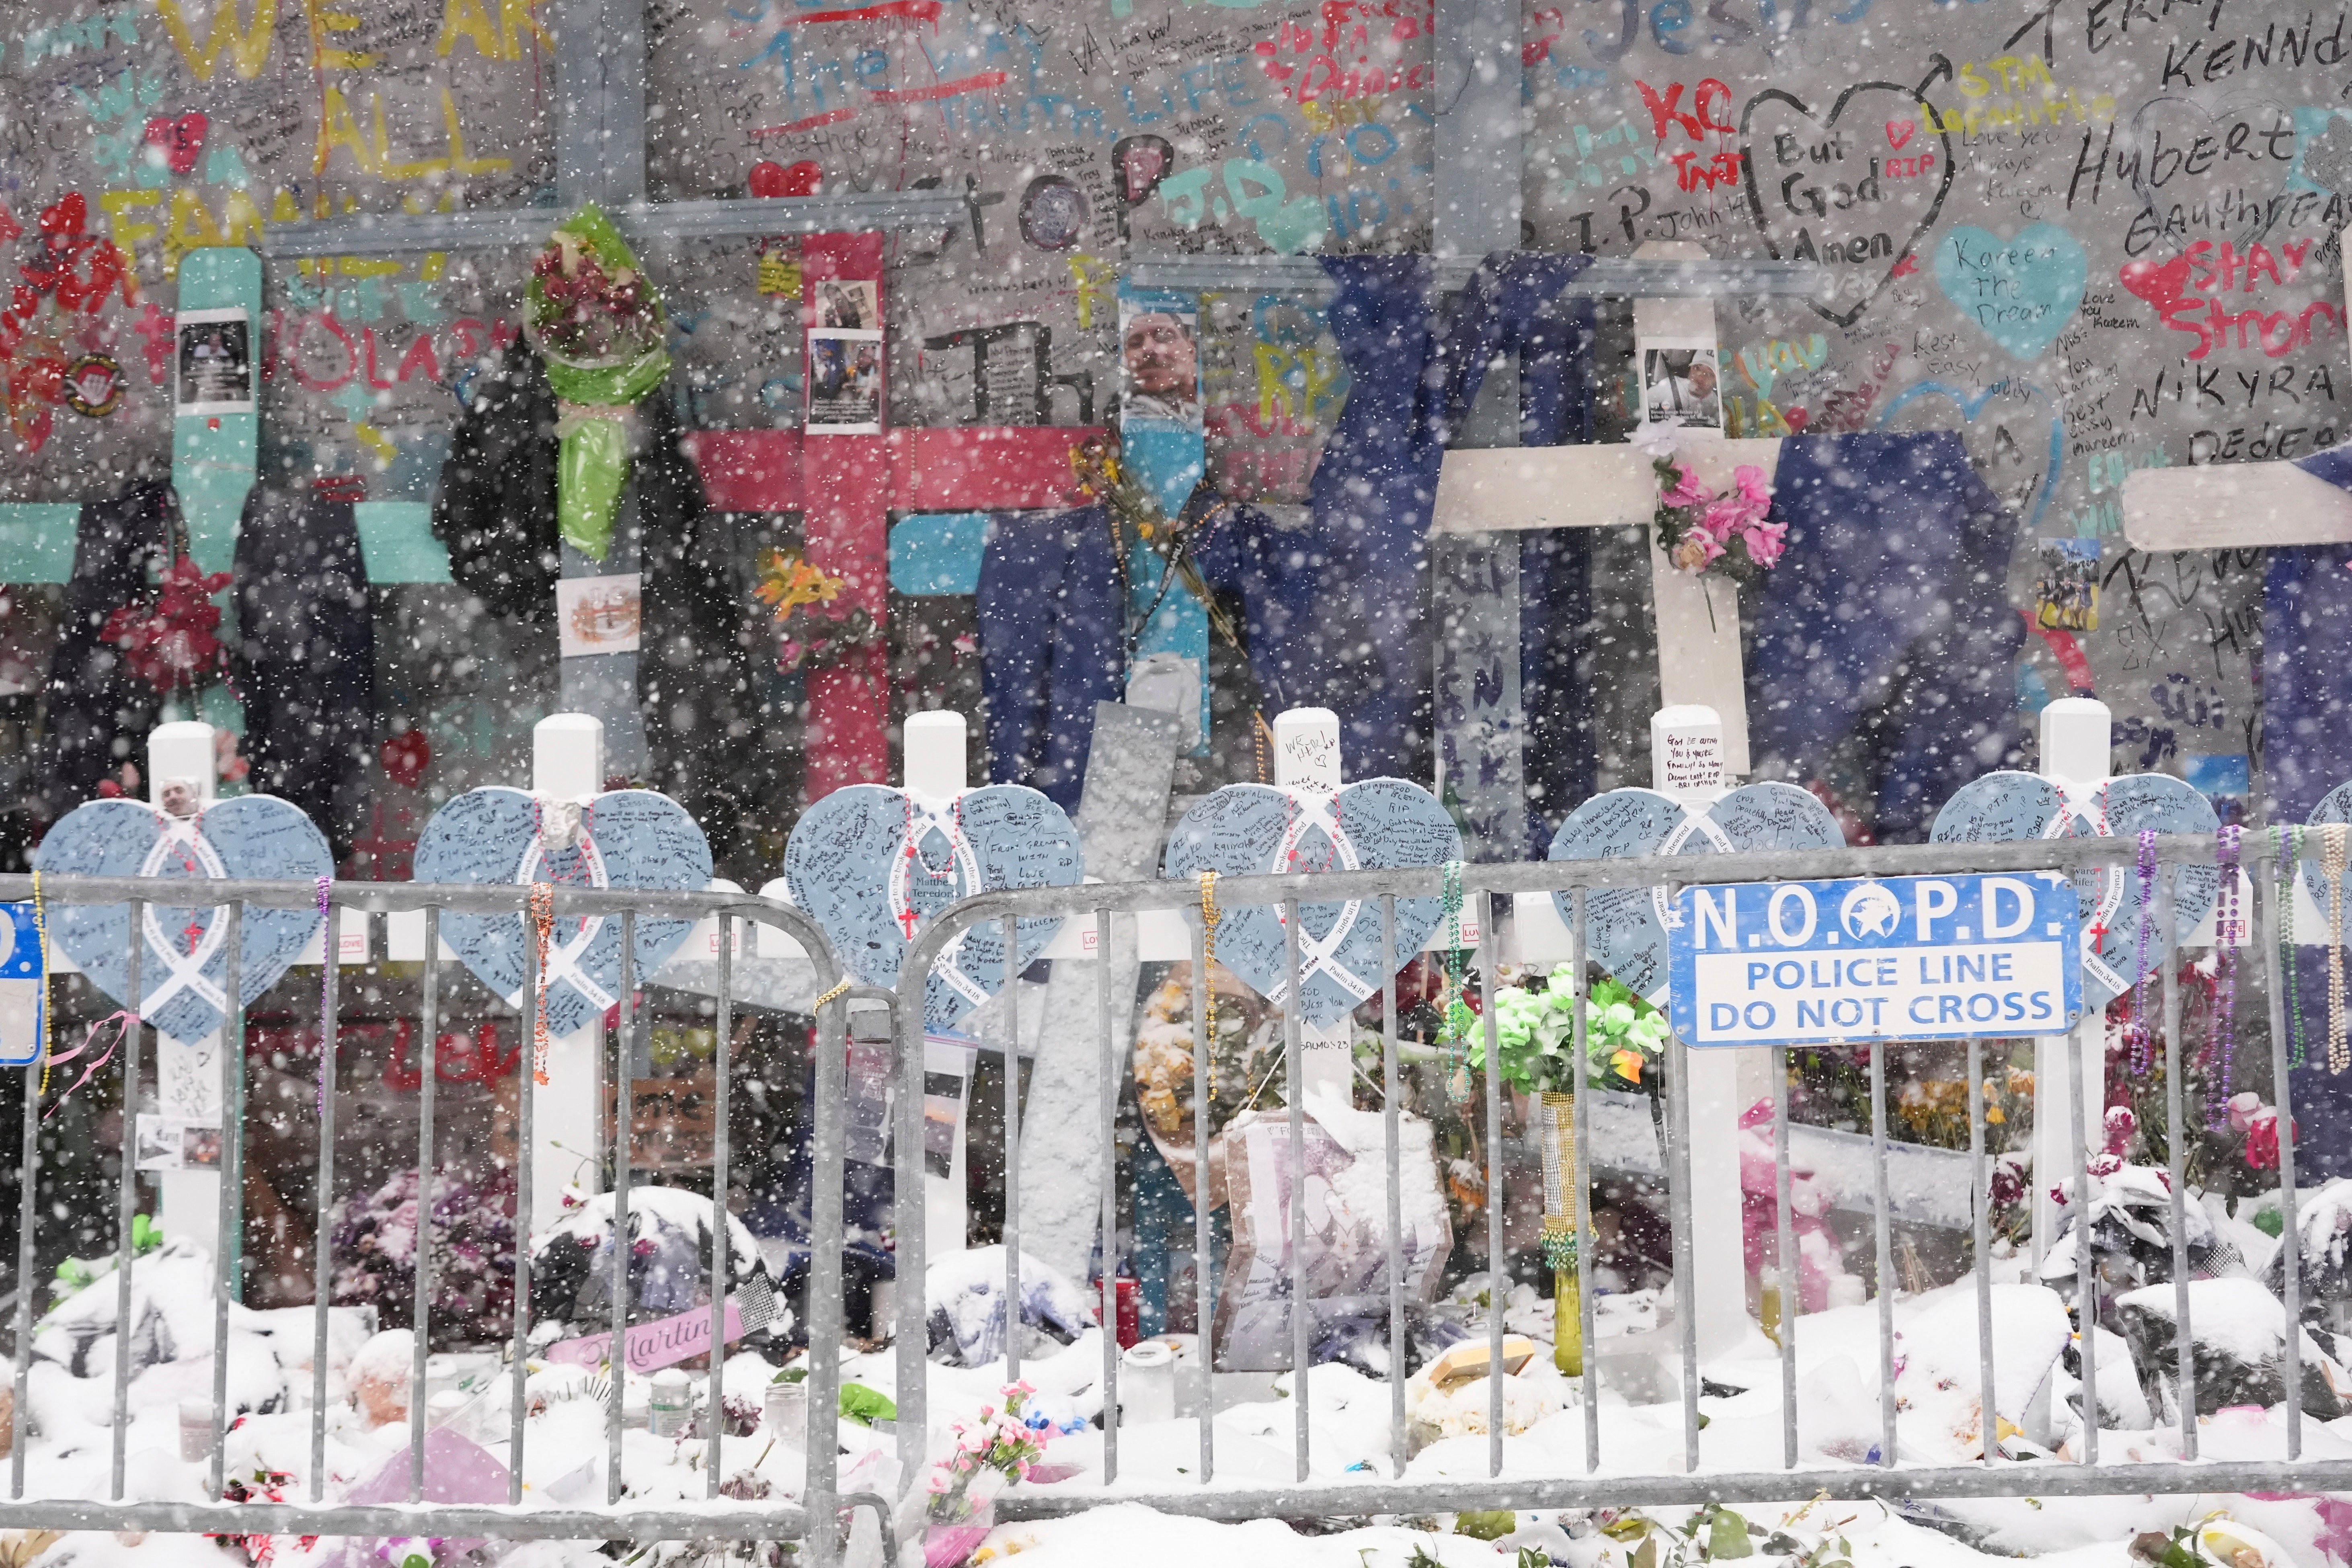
(1160, 357)
(1681, 386)
(847, 303)
(213, 362)
(845, 382)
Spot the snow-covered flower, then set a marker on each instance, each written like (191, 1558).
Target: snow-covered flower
(1655, 441)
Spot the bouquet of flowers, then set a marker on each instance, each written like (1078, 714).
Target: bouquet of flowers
(471, 1234)
(990, 1454)
(1702, 531)
(1535, 1026)
(812, 633)
(597, 323)
(174, 643)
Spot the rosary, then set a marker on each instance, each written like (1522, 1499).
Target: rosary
(906, 916)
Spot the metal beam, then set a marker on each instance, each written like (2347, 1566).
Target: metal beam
(1609, 277)
(402, 232)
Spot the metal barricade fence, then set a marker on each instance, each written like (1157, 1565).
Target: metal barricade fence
(1993, 1476)
(718, 1518)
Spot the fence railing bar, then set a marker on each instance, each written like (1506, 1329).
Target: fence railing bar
(1012, 1150)
(2268, 895)
(1294, 1083)
(1980, 1224)
(1107, 1065)
(1203, 1269)
(127, 1202)
(228, 1213)
(28, 1182)
(721, 1264)
(1580, 1035)
(1391, 1128)
(430, 1016)
(2086, 1280)
(1679, 1215)
(2204, 1478)
(1498, 1270)
(911, 1257)
(1883, 1237)
(526, 1103)
(691, 1522)
(826, 1140)
(330, 1033)
(1792, 1294)
(624, 1070)
(2178, 1132)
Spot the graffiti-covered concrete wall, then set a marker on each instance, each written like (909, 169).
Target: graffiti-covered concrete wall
(2092, 236)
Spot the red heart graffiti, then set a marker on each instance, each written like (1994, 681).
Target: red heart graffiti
(773, 179)
(2161, 286)
(182, 140)
(1906, 126)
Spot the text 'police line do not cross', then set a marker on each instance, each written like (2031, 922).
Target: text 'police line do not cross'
(1876, 958)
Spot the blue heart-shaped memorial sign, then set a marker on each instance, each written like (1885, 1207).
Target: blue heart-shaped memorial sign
(871, 865)
(1625, 928)
(628, 838)
(1248, 830)
(2007, 807)
(181, 969)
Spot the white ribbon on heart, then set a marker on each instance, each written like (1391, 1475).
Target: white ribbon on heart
(1695, 823)
(925, 816)
(2082, 804)
(563, 959)
(1313, 808)
(182, 971)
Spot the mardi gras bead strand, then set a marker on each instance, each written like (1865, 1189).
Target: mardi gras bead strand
(2141, 1037)
(2227, 933)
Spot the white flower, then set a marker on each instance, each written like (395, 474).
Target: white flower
(1653, 441)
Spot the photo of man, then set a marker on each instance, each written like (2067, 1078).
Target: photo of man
(1680, 387)
(214, 363)
(1160, 363)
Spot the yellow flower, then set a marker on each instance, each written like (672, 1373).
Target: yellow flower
(1993, 1115)
(787, 582)
(1628, 1065)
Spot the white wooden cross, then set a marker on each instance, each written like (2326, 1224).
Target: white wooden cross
(2233, 506)
(1702, 685)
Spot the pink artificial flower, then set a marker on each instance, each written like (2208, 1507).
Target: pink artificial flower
(1749, 481)
(2243, 1109)
(1021, 1389)
(1687, 491)
(940, 1485)
(2262, 1140)
(1766, 542)
(2120, 1124)
(2105, 1165)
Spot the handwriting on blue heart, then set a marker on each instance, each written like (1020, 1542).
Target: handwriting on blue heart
(1625, 928)
(848, 865)
(2007, 807)
(628, 838)
(182, 966)
(2020, 292)
(1251, 829)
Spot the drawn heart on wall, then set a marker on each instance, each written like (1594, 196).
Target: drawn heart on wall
(1253, 829)
(2021, 291)
(2037, 486)
(1625, 928)
(2007, 807)
(183, 967)
(1819, 189)
(179, 143)
(627, 838)
(2165, 134)
(847, 866)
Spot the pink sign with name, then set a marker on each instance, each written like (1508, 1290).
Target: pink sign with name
(652, 1346)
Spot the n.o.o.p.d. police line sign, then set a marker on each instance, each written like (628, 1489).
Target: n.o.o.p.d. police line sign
(1894, 958)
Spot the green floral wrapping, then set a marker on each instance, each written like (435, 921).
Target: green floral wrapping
(597, 323)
